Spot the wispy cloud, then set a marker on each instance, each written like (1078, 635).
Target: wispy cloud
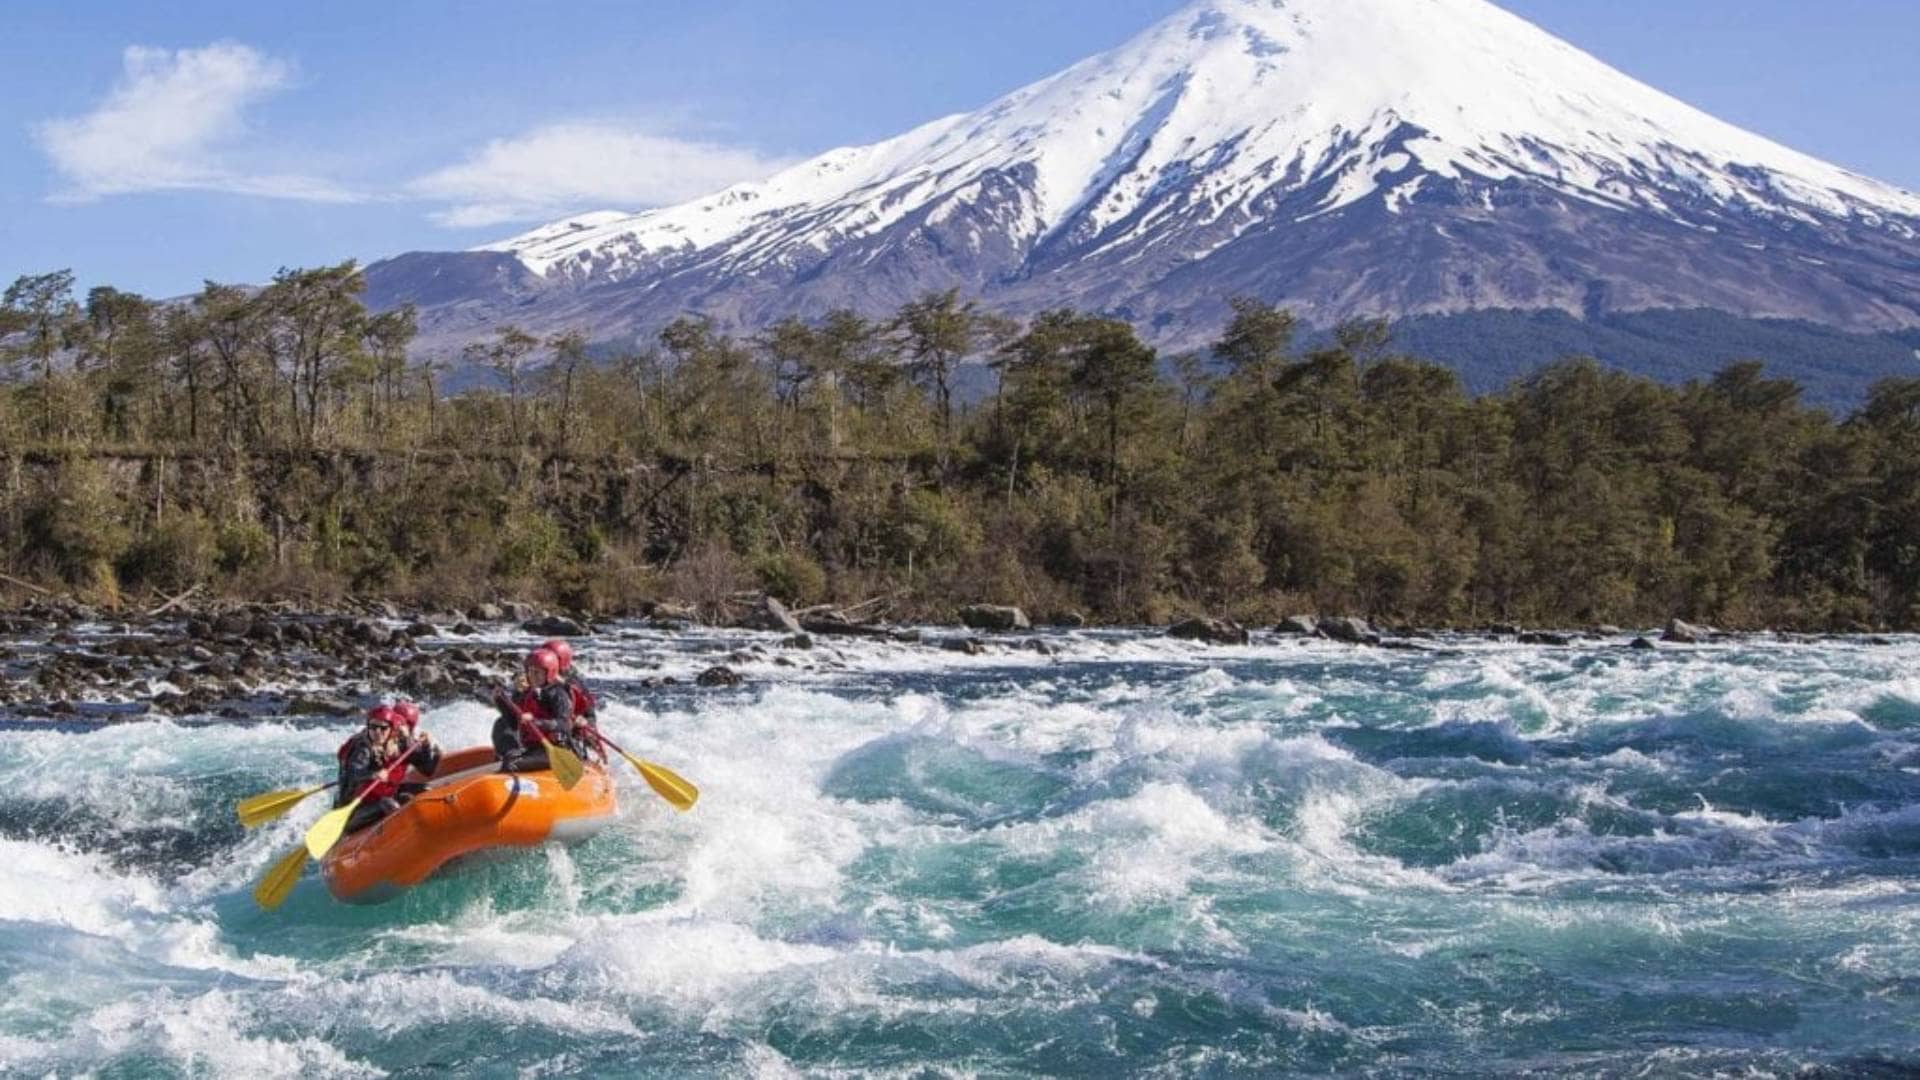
(165, 123)
(567, 167)
(177, 121)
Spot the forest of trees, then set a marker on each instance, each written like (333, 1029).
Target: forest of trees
(839, 458)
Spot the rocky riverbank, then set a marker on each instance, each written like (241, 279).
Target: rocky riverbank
(239, 661)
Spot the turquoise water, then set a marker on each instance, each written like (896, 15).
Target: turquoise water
(1137, 857)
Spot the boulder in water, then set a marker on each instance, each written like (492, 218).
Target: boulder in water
(833, 623)
(1214, 631)
(1682, 633)
(1350, 630)
(305, 705)
(719, 676)
(1298, 626)
(770, 614)
(554, 626)
(994, 617)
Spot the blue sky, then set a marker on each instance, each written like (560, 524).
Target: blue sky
(155, 145)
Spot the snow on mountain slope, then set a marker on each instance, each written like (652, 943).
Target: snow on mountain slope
(1191, 133)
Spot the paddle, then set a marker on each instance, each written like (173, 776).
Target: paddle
(274, 887)
(323, 834)
(278, 882)
(271, 806)
(664, 781)
(566, 765)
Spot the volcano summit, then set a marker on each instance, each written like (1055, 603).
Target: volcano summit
(1344, 157)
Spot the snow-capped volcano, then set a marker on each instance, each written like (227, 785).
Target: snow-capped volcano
(1348, 157)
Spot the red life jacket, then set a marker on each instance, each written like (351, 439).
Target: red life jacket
(532, 733)
(582, 701)
(382, 785)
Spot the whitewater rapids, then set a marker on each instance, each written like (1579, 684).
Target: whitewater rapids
(1134, 856)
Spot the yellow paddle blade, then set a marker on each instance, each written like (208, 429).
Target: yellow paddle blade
(261, 809)
(326, 832)
(566, 765)
(669, 784)
(280, 879)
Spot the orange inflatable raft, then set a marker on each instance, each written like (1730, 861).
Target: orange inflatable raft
(471, 806)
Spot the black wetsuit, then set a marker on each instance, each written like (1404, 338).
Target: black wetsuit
(552, 707)
(358, 768)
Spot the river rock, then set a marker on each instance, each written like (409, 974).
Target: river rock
(1641, 643)
(1215, 631)
(554, 626)
(1682, 633)
(1298, 626)
(316, 705)
(994, 617)
(833, 623)
(1542, 637)
(770, 614)
(1350, 630)
(486, 613)
(719, 676)
(970, 646)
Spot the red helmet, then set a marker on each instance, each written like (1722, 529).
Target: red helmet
(561, 649)
(407, 714)
(546, 660)
(382, 716)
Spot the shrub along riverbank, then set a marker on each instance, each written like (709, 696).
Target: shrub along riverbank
(276, 443)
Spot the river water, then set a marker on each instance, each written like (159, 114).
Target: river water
(1133, 857)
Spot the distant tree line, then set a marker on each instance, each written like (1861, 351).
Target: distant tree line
(836, 458)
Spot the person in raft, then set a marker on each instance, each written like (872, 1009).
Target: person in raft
(586, 710)
(364, 759)
(406, 718)
(543, 709)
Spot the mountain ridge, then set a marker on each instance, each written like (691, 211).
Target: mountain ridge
(1345, 157)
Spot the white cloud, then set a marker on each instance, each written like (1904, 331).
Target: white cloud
(562, 168)
(162, 126)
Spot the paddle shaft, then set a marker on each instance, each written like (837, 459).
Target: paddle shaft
(665, 783)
